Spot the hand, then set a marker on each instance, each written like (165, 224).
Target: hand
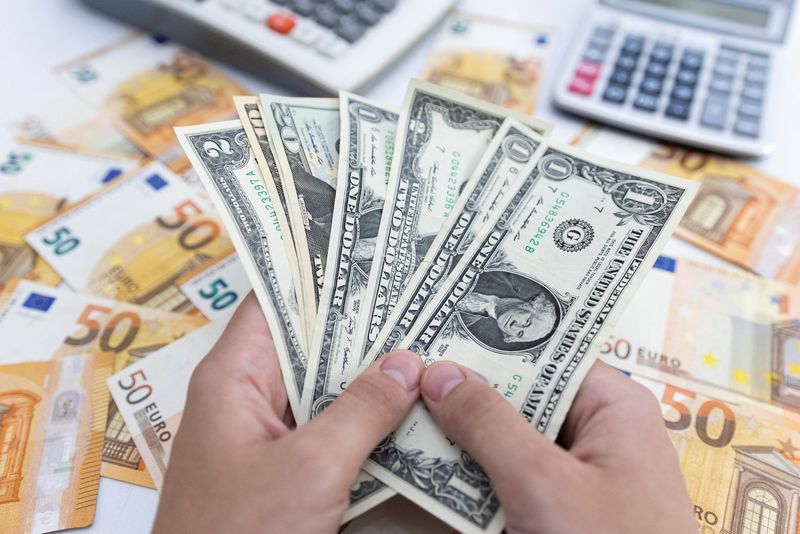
(237, 464)
(617, 471)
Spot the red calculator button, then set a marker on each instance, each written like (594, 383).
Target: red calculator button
(581, 86)
(588, 70)
(281, 22)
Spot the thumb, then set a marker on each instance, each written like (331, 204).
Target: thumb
(484, 424)
(371, 407)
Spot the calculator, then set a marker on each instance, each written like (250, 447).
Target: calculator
(698, 72)
(316, 46)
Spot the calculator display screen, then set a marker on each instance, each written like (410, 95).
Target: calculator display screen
(733, 12)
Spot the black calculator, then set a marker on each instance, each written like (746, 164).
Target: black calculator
(703, 73)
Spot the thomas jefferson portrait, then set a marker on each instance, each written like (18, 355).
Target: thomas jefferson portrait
(509, 312)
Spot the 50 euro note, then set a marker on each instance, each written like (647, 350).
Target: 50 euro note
(740, 214)
(718, 326)
(147, 87)
(528, 297)
(35, 184)
(52, 417)
(739, 457)
(151, 393)
(132, 240)
(500, 61)
(59, 323)
(441, 136)
(217, 288)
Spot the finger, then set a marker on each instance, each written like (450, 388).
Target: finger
(611, 409)
(481, 421)
(371, 407)
(243, 364)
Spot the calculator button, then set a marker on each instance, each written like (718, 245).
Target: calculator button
(656, 70)
(326, 17)
(303, 8)
(602, 33)
(720, 86)
(651, 86)
(587, 70)
(595, 55)
(646, 102)
(677, 110)
(331, 46)
(692, 59)
(305, 33)
(281, 22)
(350, 29)
(600, 46)
(256, 11)
(747, 128)
(756, 77)
(615, 94)
(633, 45)
(682, 92)
(620, 77)
(384, 5)
(626, 62)
(715, 113)
(758, 62)
(345, 6)
(368, 14)
(727, 54)
(724, 70)
(581, 86)
(661, 53)
(749, 109)
(753, 92)
(686, 77)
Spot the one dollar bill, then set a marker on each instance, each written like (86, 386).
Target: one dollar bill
(522, 307)
(441, 137)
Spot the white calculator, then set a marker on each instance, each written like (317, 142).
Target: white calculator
(318, 46)
(698, 72)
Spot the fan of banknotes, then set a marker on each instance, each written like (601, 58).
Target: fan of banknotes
(450, 226)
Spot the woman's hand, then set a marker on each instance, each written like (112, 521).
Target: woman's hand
(238, 465)
(616, 470)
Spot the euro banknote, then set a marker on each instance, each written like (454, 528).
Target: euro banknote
(147, 86)
(52, 417)
(217, 289)
(35, 184)
(500, 61)
(739, 458)
(719, 326)
(103, 247)
(741, 214)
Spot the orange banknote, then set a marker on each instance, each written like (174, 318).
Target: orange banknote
(52, 418)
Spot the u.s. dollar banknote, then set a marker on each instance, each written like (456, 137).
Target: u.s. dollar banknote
(738, 457)
(522, 307)
(717, 326)
(441, 136)
(103, 246)
(221, 155)
(511, 156)
(367, 143)
(304, 133)
(53, 414)
(255, 127)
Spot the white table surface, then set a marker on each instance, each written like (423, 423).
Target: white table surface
(36, 35)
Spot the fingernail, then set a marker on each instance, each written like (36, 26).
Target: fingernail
(440, 378)
(404, 368)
